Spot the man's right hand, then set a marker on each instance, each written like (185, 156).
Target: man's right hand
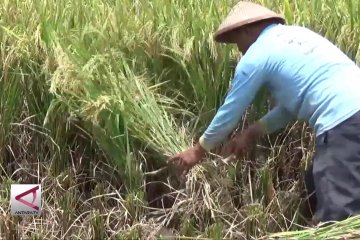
(189, 158)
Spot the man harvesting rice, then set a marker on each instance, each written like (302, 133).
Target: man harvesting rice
(311, 80)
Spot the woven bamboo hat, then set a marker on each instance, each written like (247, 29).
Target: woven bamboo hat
(243, 13)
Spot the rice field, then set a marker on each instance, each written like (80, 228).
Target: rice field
(95, 95)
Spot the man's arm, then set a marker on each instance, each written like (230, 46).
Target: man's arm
(276, 119)
(247, 81)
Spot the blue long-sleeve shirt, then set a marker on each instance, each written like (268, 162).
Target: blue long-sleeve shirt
(309, 77)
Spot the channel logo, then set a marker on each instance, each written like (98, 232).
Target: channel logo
(25, 199)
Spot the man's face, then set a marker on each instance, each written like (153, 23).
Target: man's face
(242, 39)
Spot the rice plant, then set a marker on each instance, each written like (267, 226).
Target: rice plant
(95, 95)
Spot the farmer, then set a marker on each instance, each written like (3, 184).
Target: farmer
(311, 80)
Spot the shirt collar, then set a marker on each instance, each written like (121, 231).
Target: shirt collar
(268, 28)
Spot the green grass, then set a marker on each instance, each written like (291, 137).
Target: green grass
(95, 95)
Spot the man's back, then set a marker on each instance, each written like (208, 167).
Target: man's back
(307, 75)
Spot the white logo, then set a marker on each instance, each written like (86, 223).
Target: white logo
(25, 199)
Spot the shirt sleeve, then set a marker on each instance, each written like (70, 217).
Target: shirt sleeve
(276, 119)
(247, 81)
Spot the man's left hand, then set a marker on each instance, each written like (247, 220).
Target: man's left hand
(236, 146)
(239, 144)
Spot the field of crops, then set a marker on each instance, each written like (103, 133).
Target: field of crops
(95, 95)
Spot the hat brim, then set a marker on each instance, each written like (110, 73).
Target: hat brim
(223, 35)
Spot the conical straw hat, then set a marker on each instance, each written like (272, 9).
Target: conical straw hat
(243, 13)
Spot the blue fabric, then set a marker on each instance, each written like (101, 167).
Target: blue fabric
(308, 76)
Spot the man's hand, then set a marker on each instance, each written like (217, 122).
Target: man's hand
(236, 146)
(239, 144)
(189, 158)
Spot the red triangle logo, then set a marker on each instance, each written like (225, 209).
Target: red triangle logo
(29, 204)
